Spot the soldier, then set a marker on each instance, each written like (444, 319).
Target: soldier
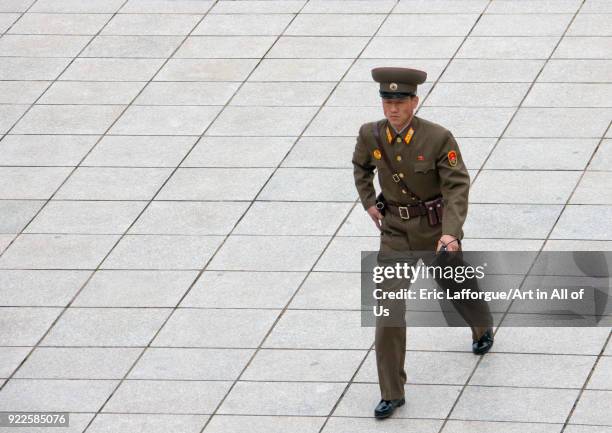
(424, 196)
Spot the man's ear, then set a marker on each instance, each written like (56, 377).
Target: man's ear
(415, 102)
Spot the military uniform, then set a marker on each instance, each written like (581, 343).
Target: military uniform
(426, 158)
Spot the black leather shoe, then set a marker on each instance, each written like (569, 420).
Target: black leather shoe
(385, 408)
(484, 343)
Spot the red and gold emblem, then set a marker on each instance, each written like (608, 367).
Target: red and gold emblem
(452, 158)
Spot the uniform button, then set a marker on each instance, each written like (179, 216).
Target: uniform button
(404, 191)
(401, 175)
(398, 157)
(413, 198)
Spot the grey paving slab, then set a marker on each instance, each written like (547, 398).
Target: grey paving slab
(32, 68)
(17, 213)
(510, 47)
(96, 92)
(6, 20)
(569, 95)
(552, 122)
(151, 24)
(428, 25)
(491, 70)
(224, 47)
(440, 6)
(594, 6)
(309, 184)
(113, 183)
(139, 151)
(485, 244)
(361, 69)
(94, 6)
(422, 47)
(5, 241)
(132, 46)
(10, 358)
(106, 327)
(477, 94)
(239, 328)
(594, 188)
(61, 24)
(21, 92)
(42, 46)
(300, 69)
(40, 288)
(602, 159)
(508, 186)
(257, 6)
(593, 408)
(262, 121)
(189, 218)
(46, 251)
(68, 119)
(459, 120)
(190, 364)
(314, 329)
(272, 289)
(321, 152)
(292, 218)
(590, 25)
(341, 121)
(165, 120)
(347, 6)
(108, 288)
(282, 398)
(474, 151)
(447, 368)
(455, 426)
(554, 371)
(24, 326)
(358, 223)
(514, 404)
(344, 253)
(78, 363)
(186, 93)
(238, 152)
(239, 24)
(197, 183)
(352, 24)
(583, 47)
(9, 114)
(545, 6)
(534, 24)
(147, 423)
(422, 401)
(587, 429)
(167, 6)
(15, 5)
(363, 425)
(45, 150)
(573, 245)
(89, 217)
(602, 375)
(584, 222)
(111, 69)
(264, 424)
(162, 252)
(594, 70)
(55, 395)
(541, 153)
(319, 47)
(329, 290)
(284, 94)
(283, 253)
(303, 365)
(551, 340)
(165, 396)
(206, 69)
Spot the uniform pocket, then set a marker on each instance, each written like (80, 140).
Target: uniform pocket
(423, 166)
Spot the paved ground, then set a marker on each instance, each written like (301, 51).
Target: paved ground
(180, 234)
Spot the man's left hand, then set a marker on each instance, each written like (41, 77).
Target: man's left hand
(451, 242)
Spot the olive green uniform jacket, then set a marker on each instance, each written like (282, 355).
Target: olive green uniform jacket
(431, 164)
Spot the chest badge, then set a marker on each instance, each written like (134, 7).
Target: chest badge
(452, 158)
(376, 154)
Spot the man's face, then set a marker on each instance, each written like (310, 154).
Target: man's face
(399, 111)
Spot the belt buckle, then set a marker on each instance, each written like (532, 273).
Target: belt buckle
(395, 177)
(405, 209)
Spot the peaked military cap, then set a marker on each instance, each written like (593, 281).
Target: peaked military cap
(398, 83)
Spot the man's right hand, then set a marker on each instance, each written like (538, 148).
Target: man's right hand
(375, 215)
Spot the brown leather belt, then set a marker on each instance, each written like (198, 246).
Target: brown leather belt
(411, 211)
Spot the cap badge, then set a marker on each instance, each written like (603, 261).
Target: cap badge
(377, 154)
(393, 86)
(452, 158)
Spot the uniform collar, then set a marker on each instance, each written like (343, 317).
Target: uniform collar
(406, 133)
